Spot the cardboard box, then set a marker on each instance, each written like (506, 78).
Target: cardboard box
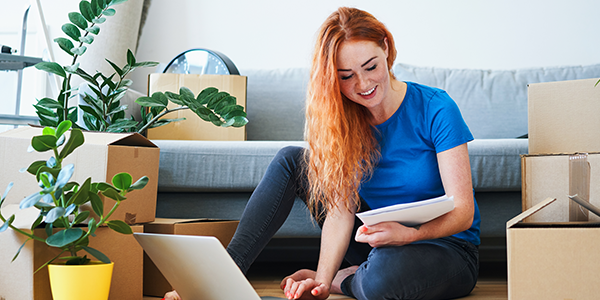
(194, 128)
(554, 260)
(155, 284)
(547, 176)
(563, 116)
(18, 282)
(101, 157)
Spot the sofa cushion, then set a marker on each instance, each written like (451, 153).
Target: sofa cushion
(275, 104)
(214, 166)
(493, 102)
(496, 164)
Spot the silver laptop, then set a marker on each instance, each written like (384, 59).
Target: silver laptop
(198, 267)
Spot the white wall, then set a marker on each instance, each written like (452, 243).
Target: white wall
(445, 33)
(501, 34)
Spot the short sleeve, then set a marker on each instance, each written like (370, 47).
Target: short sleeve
(448, 129)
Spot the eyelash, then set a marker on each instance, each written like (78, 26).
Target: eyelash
(350, 76)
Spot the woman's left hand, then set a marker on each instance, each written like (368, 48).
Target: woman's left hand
(386, 234)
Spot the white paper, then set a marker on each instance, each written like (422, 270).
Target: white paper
(409, 214)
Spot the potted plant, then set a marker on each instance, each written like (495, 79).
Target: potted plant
(64, 225)
(103, 110)
(59, 200)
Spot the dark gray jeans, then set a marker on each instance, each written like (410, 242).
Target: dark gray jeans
(434, 269)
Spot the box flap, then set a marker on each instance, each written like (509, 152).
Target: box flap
(91, 137)
(529, 212)
(124, 139)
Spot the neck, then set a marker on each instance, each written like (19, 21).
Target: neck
(391, 104)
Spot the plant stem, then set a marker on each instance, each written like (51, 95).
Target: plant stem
(164, 112)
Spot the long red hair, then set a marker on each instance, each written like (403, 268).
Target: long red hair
(343, 149)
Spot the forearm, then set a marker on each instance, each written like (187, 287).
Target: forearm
(335, 238)
(458, 220)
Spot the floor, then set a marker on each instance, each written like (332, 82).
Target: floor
(265, 278)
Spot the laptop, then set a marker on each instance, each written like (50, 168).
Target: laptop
(198, 267)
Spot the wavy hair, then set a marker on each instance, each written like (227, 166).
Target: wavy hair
(343, 148)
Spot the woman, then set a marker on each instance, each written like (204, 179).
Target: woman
(373, 141)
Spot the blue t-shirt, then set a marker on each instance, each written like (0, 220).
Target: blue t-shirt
(427, 122)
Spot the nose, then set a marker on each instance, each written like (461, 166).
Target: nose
(363, 82)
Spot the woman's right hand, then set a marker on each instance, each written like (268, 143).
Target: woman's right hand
(172, 296)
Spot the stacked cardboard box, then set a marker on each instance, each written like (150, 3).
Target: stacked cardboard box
(551, 256)
(102, 156)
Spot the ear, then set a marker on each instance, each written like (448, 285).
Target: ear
(387, 47)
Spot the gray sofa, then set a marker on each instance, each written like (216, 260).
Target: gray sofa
(215, 179)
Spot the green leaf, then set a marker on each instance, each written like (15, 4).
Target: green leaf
(65, 44)
(115, 2)
(96, 8)
(130, 58)
(97, 254)
(109, 12)
(119, 226)
(79, 50)
(174, 98)
(63, 127)
(223, 103)
(93, 30)
(205, 95)
(72, 31)
(186, 95)
(10, 185)
(146, 64)
(113, 194)
(97, 204)
(158, 99)
(99, 20)
(86, 10)
(122, 125)
(54, 214)
(216, 98)
(20, 248)
(51, 67)
(76, 139)
(43, 143)
(88, 39)
(81, 217)
(64, 237)
(122, 181)
(78, 19)
(140, 184)
(82, 194)
(7, 223)
(49, 131)
(49, 103)
(117, 69)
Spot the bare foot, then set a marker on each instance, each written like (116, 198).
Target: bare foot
(339, 277)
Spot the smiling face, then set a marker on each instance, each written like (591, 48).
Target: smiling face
(363, 74)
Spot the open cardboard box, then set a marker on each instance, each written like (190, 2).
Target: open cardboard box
(155, 284)
(101, 157)
(547, 175)
(194, 128)
(18, 281)
(552, 260)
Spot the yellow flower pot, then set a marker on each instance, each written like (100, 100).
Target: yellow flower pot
(90, 282)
